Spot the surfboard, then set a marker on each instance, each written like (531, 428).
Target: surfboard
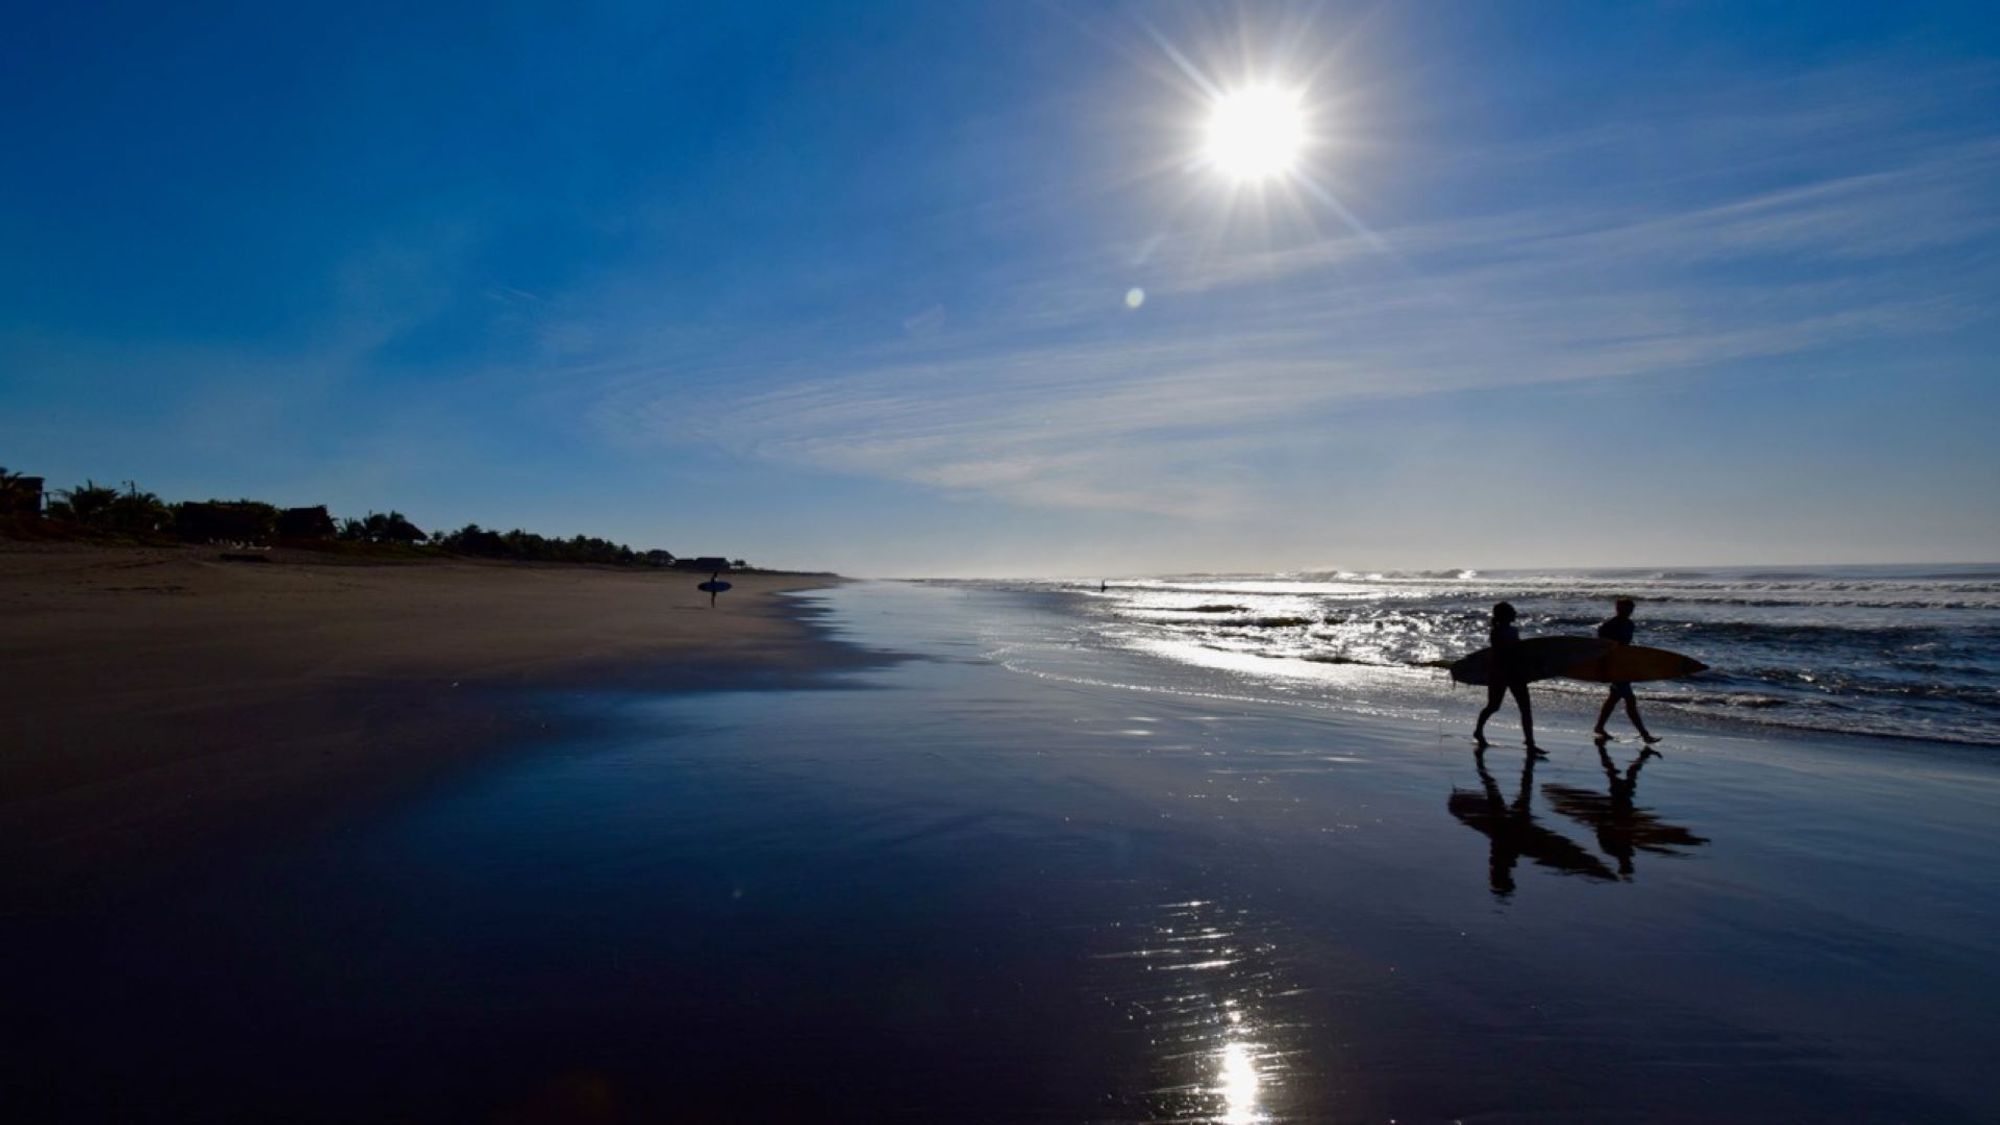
(1633, 664)
(1541, 658)
(713, 587)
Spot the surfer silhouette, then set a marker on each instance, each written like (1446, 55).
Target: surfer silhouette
(1507, 676)
(714, 586)
(1618, 629)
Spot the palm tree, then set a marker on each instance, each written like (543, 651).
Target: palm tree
(88, 503)
(136, 511)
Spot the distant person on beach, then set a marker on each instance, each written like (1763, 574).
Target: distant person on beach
(1618, 630)
(1506, 675)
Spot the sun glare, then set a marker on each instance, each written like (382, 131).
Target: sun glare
(1255, 134)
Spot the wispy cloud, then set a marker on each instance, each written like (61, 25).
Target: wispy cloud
(1053, 395)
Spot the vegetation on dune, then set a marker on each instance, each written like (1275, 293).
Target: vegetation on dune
(378, 528)
(526, 546)
(130, 512)
(91, 511)
(100, 511)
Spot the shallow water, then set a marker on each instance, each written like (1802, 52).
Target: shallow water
(1904, 652)
(1032, 877)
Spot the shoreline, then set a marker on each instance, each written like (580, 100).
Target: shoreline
(1903, 652)
(1073, 882)
(165, 700)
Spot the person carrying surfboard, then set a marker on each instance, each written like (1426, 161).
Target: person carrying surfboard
(1507, 675)
(1618, 630)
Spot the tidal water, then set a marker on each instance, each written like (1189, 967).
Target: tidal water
(1894, 651)
(1030, 873)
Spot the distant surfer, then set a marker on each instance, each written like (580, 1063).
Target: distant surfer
(1618, 630)
(1507, 675)
(714, 586)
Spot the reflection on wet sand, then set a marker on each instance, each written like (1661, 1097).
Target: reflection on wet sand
(1200, 981)
(1621, 826)
(1513, 833)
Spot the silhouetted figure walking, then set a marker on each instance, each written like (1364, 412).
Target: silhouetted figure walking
(1507, 675)
(1619, 630)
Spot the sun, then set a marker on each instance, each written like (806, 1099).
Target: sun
(1256, 133)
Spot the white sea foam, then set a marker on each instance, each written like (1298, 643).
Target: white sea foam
(1909, 651)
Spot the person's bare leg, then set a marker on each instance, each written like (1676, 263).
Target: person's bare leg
(1632, 709)
(1527, 716)
(1604, 715)
(1494, 694)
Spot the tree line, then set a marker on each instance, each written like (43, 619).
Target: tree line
(132, 513)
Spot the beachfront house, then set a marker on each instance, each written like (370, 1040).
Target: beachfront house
(224, 521)
(306, 523)
(20, 496)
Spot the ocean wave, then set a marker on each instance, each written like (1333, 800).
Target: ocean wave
(1878, 640)
(1909, 652)
(1936, 729)
(1743, 701)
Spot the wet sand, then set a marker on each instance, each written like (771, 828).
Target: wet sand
(1023, 879)
(157, 698)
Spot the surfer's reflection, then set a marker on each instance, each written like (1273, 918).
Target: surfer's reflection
(1511, 829)
(1622, 827)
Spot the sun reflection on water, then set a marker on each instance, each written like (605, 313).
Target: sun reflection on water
(1208, 987)
(1239, 1083)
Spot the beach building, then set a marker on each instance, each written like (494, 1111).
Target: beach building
(306, 523)
(219, 521)
(21, 496)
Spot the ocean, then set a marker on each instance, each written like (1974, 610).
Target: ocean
(1909, 652)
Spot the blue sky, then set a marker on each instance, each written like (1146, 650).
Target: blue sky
(846, 285)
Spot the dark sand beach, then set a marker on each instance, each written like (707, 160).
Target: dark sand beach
(160, 696)
(1021, 878)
